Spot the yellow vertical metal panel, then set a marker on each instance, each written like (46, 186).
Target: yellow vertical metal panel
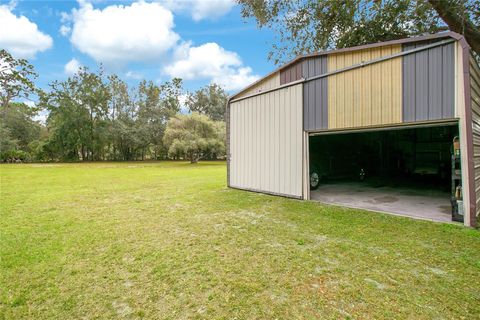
(266, 142)
(365, 96)
(397, 84)
(332, 98)
(348, 87)
(365, 78)
(357, 84)
(341, 99)
(386, 86)
(375, 83)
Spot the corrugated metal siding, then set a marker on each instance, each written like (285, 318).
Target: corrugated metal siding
(428, 83)
(475, 93)
(365, 96)
(266, 142)
(227, 141)
(266, 84)
(315, 94)
(291, 73)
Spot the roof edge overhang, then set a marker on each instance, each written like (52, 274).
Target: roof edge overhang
(440, 35)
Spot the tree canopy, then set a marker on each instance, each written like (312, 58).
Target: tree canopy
(305, 26)
(16, 78)
(92, 116)
(195, 137)
(210, 100)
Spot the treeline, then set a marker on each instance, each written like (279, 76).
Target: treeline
(92, 116)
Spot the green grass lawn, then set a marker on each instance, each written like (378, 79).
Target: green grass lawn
(170, 241)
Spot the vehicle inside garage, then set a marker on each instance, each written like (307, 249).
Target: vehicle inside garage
(413, 172)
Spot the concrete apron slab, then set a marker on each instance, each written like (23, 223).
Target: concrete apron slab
(422, 204)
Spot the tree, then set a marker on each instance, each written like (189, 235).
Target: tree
(156, 105)
(16, 78)
(7, 142)
(210, 101)
(194, 137)
(462, 17)
(314, 25)
(18, 131)
(78, 116)
(17, 117)
(121, 135)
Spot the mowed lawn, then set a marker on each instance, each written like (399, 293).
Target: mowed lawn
(169, 240)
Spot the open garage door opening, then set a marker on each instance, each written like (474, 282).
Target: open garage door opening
(411, 172)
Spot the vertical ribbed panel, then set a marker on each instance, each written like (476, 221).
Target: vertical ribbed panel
(315, 94)
(273, 81)
(428, 83)
(291, 73)
(475, 94)
(365, 96)
(266, 142)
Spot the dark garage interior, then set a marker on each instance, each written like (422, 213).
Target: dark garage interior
(408, 172)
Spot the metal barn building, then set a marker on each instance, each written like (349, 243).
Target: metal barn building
(397, 116)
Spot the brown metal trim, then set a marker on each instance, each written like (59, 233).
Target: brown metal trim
(469, 131)
(386, 127)
(440, 35)
(267, 192)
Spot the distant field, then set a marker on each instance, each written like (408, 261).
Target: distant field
(169, 241)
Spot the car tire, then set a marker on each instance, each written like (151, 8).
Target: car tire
(314, 180)
(361, 175)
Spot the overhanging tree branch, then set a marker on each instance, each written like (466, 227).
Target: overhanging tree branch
(458, 23)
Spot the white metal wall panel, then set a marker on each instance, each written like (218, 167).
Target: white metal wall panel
(271, 82)
(266, 142)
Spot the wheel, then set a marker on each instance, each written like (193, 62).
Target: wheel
(362, 174)
(314, 180)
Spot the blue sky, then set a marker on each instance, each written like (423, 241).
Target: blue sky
(199, 41)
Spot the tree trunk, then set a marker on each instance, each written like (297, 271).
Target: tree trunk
(91, 133)
(450, 14)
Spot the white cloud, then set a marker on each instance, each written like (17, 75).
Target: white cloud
(118, 34)
(30, 103)
(182, 99)
(20, 36)
(41, 116)
(201, 9)
(65, 17)
(72, 67)
(65, 30)
(134, 75)
(236, 79)
(210, 61)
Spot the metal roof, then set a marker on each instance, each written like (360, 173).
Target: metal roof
(441, 35)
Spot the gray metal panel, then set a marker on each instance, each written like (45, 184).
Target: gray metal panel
(291, 73)
(428, 83)
(315, 95)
